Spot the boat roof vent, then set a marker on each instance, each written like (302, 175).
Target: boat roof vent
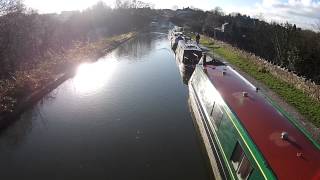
(284, 136)
(245, 94)
(224, 73)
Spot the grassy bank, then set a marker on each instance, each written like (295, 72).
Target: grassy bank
(32, 78)
(307, 106)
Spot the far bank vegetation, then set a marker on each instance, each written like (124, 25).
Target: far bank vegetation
(35, 48)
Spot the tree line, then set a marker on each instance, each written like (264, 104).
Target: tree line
(27, 37)
(285, 45)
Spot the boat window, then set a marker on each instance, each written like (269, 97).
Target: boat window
(211, 112)
(241, 163)
(191, 57)
(217, 115)
(207, 93)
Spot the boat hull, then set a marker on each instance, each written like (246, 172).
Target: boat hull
(207, 137)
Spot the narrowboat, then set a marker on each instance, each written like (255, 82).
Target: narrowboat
(177, 36)
(178, 28)
(245, 134)
(188, 53)
(174, 32)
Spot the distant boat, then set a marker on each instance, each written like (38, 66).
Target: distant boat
(175, 38)
(175, 32)
(154, 24)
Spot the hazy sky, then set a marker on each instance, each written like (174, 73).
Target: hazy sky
(302, 12)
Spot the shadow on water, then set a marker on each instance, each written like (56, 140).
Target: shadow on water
(136, 48)
(141, 46)
(15, 134)
(185, 73)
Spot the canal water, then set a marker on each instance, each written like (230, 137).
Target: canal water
(125, 116)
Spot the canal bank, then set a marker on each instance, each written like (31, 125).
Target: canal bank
(101, 48)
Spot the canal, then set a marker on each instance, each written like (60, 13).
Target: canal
(125, 116)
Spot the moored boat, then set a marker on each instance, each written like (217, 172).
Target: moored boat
(245, 134)
(188, 53)
(174, 31)
(175, 38)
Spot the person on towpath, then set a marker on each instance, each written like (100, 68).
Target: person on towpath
(198, 38)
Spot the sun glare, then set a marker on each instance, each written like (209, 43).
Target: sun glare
(51, 6)
(92, 77)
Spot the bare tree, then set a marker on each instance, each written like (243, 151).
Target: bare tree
(218, 11)
(318, 25)
(8, 6)
(123, 4)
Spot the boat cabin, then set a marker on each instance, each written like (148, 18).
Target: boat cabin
(188, 53)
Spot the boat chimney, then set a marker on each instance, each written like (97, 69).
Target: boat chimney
(284, 136)
(224, 73)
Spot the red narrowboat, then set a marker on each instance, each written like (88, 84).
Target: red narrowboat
(246, 135)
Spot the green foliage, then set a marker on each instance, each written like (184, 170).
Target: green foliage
(307, 106)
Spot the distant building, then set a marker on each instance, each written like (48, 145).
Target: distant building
(65, 15)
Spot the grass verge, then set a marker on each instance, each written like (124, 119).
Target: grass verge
(307, 106)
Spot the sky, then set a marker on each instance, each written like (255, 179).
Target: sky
(304, 13)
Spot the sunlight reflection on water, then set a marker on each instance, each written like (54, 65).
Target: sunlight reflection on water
(92, 77)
